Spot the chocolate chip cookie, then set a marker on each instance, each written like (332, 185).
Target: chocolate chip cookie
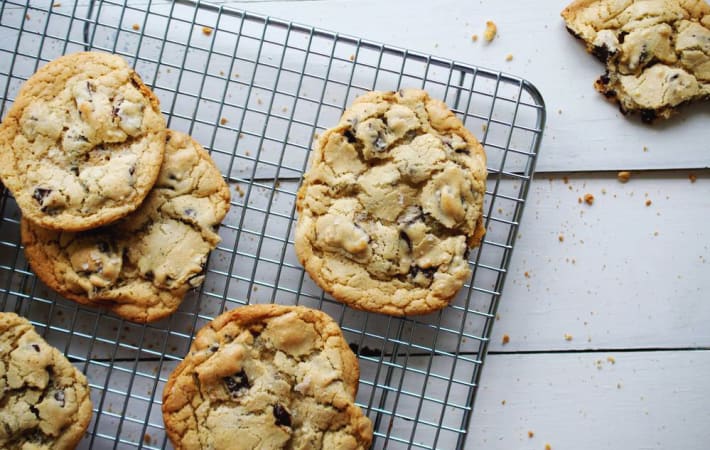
(141, 266)
(391, 204)
(83, 143)
(45, 400)
(267, 377)
(657, 52)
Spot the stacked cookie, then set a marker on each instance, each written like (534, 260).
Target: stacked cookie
(117, 211)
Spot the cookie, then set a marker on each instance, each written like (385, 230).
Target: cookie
(141, 266)
(656, 52)
(45, 400)
(391, 204)
(267, 377)
(83, 142)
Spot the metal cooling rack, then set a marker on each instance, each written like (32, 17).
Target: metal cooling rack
(255, 91)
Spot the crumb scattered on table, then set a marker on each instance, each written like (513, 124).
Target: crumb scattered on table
(509, 57)
(136, 27)
(505, 339)
(352, 57)
(648, 202)
(527, 274)
(502, 402)
(565, 179)
(56, 4)
(147, 439)
(645, 149)
(589, 199)
(548, 447)
(223, 121)
(206, 31)
(611, 359)
(531, 434)
(568, 337)
(491, 31)
(692, 177)
(474, 37)
(561, 238)
(623, 176)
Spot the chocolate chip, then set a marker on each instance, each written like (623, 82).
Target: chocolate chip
(36, 347)
(403, 236)
(415, 270)
(237, 383)
(90, 86)
(74, 170)
(602, 52)
(59, 397)
(673, 77)
(604, 79)
(189, 212)
(380, 144)
(350, 136)
(648, 115)
(40, 194)
(611, 93)
(214, 347)
(149, 275)
(103, 247)
(464, 151)
(622, 36)
(115, 110)
(282, 415)
(131, 170)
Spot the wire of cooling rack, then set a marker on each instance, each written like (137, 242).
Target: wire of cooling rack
(255, 91)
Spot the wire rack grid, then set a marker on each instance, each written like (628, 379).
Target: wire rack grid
(255, 91)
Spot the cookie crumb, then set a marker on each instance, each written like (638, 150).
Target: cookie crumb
(645, 149)
(223, 121)
(284, 109)
(611, 359)
(505, 339)
(531, 434)
(623, 176)
(491, 31)
(147, 439)
(236, 75)
(484, 127)
(568, 337)
(259, 101)
(565, 179)
(548, 447)
(474, 37)
(648, 202)
(136, 27)
(502, 402)
(692, 177)
(527, 274)
(589, 199)
(352, 57)
(27, 17)
(509, 57)
(56, 5)
(579, 200)
(206, 31)
(561, 238)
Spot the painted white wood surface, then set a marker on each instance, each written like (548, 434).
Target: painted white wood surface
(623, 287)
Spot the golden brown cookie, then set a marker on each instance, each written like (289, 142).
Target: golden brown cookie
(141, 266)
(83, 142)
(45, 402)
(391, 204)
(267, 377)
(657, 52)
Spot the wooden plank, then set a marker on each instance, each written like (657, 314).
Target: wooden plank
(642, 400)
(626, 275)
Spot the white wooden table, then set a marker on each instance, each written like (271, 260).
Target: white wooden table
(606, 306)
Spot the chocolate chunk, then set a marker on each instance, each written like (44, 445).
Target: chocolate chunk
(415, 270)
(350, 136)
(282, 416)
(648, 115)
(59, 397)
(602, 52)
(622, 36)
(237, 383)
(604, 79)
(380, 144)
(40, 194)
(36, 347)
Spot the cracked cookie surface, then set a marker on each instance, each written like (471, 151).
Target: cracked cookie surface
(141, 266)
(83, 142)
(657, 52)
(391, 204)
(45, 400)
(267, 377)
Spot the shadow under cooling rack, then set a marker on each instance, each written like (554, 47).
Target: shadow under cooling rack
(255, 91)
